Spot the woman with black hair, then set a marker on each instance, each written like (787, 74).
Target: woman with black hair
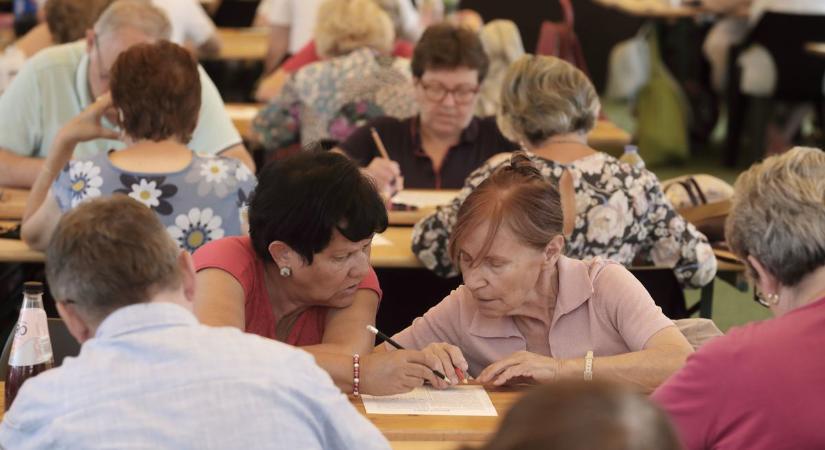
(303, 275)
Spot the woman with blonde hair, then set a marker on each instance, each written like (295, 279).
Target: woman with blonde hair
(334, 36)
(357, 36)
(611, 209)
(502, 42)
(760, 386)
(527, 312)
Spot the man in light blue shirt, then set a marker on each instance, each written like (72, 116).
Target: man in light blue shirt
(59, 82)
(148, 374)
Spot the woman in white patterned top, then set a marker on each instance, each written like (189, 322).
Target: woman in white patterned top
(611, 209)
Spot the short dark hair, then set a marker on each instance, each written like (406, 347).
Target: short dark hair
(444, 46)
(68, 20)
(300, 199)
(158, 88)
(108, 253)
(578, 415)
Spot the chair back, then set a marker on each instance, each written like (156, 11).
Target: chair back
(63, 345)
(784, 36)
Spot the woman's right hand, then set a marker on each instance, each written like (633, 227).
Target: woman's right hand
(386, 174)
(397, 371)
(449, 358)
(86, 125)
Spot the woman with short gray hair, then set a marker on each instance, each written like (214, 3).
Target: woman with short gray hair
(611, 209)
(760, 387)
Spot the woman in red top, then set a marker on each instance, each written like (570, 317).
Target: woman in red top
(303, 277)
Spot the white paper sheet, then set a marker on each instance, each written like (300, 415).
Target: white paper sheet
(424, 198)
(427, 401)
(379, 239)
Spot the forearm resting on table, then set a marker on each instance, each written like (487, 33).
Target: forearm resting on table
(645, 369)
(339, 365)
(18, 171)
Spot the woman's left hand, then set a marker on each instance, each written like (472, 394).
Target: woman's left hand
(521, 366)
(87, 125)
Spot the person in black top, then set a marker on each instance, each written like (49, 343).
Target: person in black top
(441, 146)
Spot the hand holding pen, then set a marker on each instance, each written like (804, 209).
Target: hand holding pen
(385, 171)
(450, 357)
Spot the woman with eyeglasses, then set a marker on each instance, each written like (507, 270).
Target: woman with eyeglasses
(761, 386)
(440, 146)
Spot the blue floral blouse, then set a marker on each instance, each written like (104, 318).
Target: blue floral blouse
(201, 203)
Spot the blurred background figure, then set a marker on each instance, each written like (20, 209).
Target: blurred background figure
(502, 42)
(66, 21)
(579, 415)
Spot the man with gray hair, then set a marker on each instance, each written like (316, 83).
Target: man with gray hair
(60, 82)
(148, 374)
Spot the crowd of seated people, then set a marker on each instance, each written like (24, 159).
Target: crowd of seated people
(220, 305)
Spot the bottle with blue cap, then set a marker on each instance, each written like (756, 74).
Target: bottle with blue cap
(631, 156)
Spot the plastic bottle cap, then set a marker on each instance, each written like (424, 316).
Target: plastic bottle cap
(33, 287)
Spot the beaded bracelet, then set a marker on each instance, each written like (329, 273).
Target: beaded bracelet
(588, 365)
(356, 374)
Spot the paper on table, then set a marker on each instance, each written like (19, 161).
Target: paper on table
(427, 401)
(379, 239)
(424, 198)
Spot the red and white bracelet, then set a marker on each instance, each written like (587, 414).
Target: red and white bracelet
(356, 374)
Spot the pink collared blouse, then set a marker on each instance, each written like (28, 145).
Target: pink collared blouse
(600, 306)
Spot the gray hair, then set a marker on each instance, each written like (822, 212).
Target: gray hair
(108, 253)
(138, 15)
(543, 96)
(778, 214)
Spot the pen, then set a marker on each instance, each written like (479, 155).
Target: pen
(379, 143)
(389, 340)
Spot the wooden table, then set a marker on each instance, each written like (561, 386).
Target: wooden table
(243, 44)
(425, 432)
(442, 429)
(13, 203)
(397, 255)
(605, 136)
(660, 9)
(816, 48)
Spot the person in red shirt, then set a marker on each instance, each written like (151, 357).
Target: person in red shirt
(760, 387)
(303, 276)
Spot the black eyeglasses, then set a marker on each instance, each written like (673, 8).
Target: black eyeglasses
(437, 92)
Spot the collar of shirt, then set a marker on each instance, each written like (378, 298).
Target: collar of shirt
(575, 288)
(468, 135)
(141, 316)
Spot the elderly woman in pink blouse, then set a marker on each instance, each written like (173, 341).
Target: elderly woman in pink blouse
(527, 313)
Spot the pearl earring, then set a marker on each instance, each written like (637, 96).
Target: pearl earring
(286, 272)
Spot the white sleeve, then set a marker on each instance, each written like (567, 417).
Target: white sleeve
(197, 26)
(277, 12)
(410, 20)
(215, 131)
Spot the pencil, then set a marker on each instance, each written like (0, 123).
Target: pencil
(390, 341)
(379, 143)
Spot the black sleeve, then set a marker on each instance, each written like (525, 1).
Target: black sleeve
(360, 146)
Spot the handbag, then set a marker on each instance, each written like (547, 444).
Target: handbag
(662, 113)
(559, 39)
(702, 200)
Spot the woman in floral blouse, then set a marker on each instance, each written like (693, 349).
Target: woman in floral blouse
(357, 80)
(155, 92)
(611, 209)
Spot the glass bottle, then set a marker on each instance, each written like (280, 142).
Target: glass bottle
(631, 156)
(31, 350)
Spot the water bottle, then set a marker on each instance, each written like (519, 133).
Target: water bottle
(31, 350)
(631, 156)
